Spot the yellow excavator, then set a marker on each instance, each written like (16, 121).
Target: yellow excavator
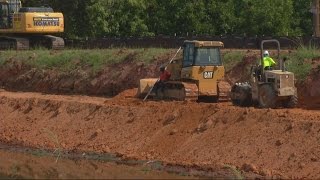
(199, 75)
(25, 27)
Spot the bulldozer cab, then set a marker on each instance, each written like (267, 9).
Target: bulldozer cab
(201, 53)
(202, 65)
(201, 60)
(7, 9)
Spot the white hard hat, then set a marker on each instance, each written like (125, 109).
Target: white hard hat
(266, 53)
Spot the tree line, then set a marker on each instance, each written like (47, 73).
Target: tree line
(118, 18)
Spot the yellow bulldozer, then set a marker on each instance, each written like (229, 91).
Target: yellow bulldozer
(199, 75)
(25, 27)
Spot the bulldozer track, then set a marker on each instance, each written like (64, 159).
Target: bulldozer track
(191, 91)
(179, 91)
(224, 89)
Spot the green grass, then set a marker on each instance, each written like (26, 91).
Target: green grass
(68, 60)
(96, 59)
(300, 61)
(148, 55)
(231, 58)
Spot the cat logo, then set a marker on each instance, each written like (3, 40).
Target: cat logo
(208, 75)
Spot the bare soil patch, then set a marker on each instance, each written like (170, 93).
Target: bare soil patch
(270, 143)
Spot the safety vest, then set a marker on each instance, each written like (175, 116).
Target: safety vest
(268, 61)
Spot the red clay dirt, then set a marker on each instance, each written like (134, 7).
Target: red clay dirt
(309, 90)
(280, 143)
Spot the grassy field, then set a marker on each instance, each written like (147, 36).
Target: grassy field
(299, 60)
(70, 59)
(230, 59)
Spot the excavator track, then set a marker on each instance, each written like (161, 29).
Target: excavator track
(57, 43)
(224, 89)
(15, 43)
(24, 43)
(48, 41)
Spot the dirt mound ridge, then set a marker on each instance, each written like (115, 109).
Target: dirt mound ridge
(272, 143)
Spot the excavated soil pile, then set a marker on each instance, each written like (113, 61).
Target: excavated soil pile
(279, 143)
(309, 91)
(241, 71)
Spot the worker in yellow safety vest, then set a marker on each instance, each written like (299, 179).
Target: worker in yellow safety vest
(268, 62)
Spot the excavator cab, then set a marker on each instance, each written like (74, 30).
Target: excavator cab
(7, 10)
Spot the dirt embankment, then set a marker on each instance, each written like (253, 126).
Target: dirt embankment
(270, 143)
(241, 71)
(16, 75)
(309, 90)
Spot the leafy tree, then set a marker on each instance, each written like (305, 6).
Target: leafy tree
(266, 17)
(302, 18)
(223, 16)
(98, 18)
(98, 24)
(127, 18)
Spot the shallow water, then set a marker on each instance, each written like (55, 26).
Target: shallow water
(26, 163)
